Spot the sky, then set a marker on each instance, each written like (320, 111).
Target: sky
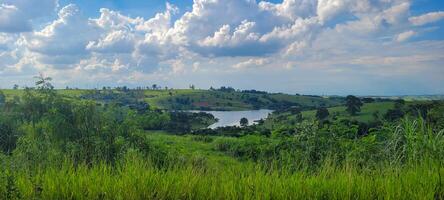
(322, 47)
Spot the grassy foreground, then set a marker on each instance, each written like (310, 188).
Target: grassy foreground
(138, 180)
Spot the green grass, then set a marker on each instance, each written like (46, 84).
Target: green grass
(139, 180)
(191, 146)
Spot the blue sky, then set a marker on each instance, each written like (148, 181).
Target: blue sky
(365, 47)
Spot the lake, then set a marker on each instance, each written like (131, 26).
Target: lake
(232, 118)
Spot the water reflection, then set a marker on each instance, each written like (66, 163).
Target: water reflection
(232, 118)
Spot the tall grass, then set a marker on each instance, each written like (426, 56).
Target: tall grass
(137, 179)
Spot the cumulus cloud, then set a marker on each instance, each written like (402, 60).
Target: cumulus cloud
(427, 18)
(291, 9)
(253, 29)
(67, 35)
(213, 36)
(327, 9)
(118, 41)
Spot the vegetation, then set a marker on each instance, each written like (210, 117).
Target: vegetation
(114, 144)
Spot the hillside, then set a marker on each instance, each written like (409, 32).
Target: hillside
(367, 114)
(189, 99)
(234, 100)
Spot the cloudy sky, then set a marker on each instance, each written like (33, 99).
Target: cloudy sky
(378, 47)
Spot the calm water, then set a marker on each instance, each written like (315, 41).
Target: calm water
(232, 118)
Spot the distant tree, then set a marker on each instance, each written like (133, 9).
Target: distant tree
(15, 87)
(154, 87)
(353, 104)
(243, 122)
(192, 87)
(322, 113)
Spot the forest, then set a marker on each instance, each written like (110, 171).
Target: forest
(138, 143)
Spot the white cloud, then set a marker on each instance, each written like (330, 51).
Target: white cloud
(405, 36)
(329, 8)
(427, 18)
(291, 9)
(118, 41)
(161, 22)
(224, 37)
(252, 63)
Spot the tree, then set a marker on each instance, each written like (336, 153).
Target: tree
(244, 122)
(45, 87)
(15, 87)
(353, 104)
(322, 113)
(43, 83)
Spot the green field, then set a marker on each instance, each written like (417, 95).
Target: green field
(366, 114)
(215, 100)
